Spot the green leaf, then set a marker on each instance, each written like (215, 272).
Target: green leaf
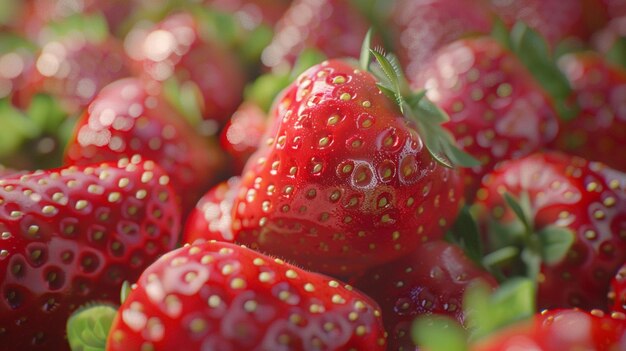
(366, 56)
(500, 257)
(500, 32)
(431, 111)
(617, 53)
(465, 231)
(389, 72)
(458, 156)
(489, 311)
(520, 208)
(124, 291)
(186, 98)
(555, 243)
(88, 328)
(413, 99)
(532, 262)
(438, 333)
(92, 27)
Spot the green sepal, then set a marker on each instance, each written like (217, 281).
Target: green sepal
(500, 32)
(617, 53)
(521, 208)
(535, 54)
(186, 98)
(555, 243)
(366, 55)
(92, 27)
(438, 333)
(488, 311)
(389, 79)
(125, 291)
(88, 327)
(464, 233)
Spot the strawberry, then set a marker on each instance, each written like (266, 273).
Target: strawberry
(600, 127)
(252, 12)
(497, 111)
(211, 219)
(422, 27)
(430, 280)
(73, 235)
(556, 330)
(344, 180)
(222, 296)
(129, 117)
(175, 48)
(332, 27)
(569, 225)
(74, 70)
(617, 293)
(243, 133)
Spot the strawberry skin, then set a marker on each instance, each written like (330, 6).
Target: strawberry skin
(617, 294)
(211, 218)
(129, 117)
(73, 235)
(243, 133)
(343, 182)
(431, 280)
(497, 111)
(175, 48)
(221, 296)
(558, 330)
(586, 198)
(600, 127)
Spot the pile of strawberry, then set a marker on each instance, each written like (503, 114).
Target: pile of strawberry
(261, 175)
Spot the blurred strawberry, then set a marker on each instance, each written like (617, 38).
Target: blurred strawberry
(617, 293)
(424, 26)
(332, 27)
(176, 51)
(211, 219)
(243, 133)
(131, 117)
(600, 127)
(252, 13)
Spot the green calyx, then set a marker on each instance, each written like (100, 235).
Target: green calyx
(415, 106)
(533, 51)
(88, 327)
(486, 311)
(92, 27)
(521, 241)
(617, 53)
(465, 234)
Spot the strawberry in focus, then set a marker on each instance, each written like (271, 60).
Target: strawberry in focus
(73, 235)
(222, 296)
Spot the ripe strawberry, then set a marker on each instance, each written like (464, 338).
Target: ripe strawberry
(243, 133)
(497, 111)
(211, 219)
(431, 280)
(570, 225)
(73, 235)
(176, 49)
(600, 127)
(73, 70)
(617, 293)
(344, 181)
(17, 59)
(424, 26)
(333, 27)
(222, 296)
(129, 117)
(252, 12)
(556, 330)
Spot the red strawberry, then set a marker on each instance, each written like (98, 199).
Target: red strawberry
(73, 235)
(74, 69)
(130, 117)
(600, 127)
(242, 135)
(497, 111)
(211, 219)
(424, 26)
(222, 296)
(554, 19)
(344, 181)
(572, 230)
(431, 280)
(557, 330)
(175, 48)
(617, 294)
(333, 27)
